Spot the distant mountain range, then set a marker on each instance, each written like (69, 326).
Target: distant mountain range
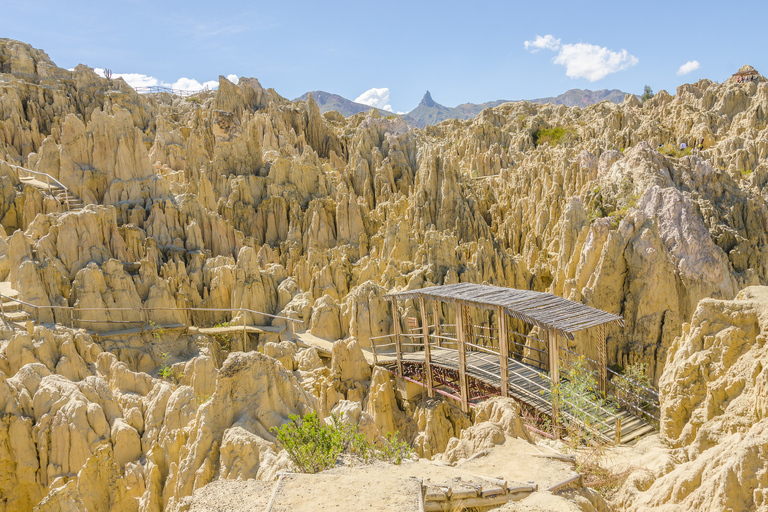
(429, 112)
(327, 102)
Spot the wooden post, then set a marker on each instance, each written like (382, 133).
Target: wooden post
(436, 314)
(618, 430)
(66, 197)
(72, 318)
(189, 319)
(501, 317)
(142, 312)
(293, 330)
(373, 350)
(602, 360)
(467, 326)
(398, 341)
(48, 182)
(460, 338)
(427, 350)
(245, 332)
(554, 370)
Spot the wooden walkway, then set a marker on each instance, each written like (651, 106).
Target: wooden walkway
(527, 384)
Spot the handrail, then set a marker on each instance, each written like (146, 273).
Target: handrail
(61, 185)
(224, 310)
(178, 92)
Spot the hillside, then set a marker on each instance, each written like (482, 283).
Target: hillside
(128, 378)
(329, 102)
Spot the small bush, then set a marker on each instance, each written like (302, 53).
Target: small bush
(314, 445)
(674, 151)
(394, 450)
(553, 136)
(580, 395)
(165, 369)
(631, 385)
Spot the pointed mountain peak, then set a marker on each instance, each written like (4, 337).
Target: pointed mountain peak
(427, 100)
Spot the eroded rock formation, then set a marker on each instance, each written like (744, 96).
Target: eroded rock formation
(239, 198)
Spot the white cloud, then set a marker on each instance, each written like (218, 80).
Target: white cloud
(548, 42)
(378, 98)
(182, 84)
(584, 60)
(133, 79)
(691, 65)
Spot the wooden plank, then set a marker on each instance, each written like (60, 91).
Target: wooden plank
(436, 315)
(427, 352)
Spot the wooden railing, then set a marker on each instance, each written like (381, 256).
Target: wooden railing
(144, 322)
(590, 416)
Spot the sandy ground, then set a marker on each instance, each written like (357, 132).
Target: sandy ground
(230, 496)
(387, 487)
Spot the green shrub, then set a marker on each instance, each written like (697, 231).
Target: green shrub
(632, 383)
(165, 369)
(579, 393)
(674, 151)
(553, 136)
(647, 93)
(394, 450)
(314, 445)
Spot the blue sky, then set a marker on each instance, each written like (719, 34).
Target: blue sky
(459, 51)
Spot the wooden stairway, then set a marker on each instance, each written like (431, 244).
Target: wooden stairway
(10, 309)
(70, 201)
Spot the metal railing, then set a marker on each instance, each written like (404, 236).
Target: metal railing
(144, 322)
(48, 179)
(177, 92)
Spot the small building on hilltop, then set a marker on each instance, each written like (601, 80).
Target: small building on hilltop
(746, 73)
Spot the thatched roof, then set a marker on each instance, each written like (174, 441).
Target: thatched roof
(541, 309)
(746, 70)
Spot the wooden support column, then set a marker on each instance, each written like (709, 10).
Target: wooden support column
(554, 372)
(436, 314)
(398, 340)
(427, 351)
(245, 332)
(460, 339)
(501, 317)
(602, 360)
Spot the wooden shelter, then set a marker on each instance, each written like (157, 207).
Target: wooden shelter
(747, 72)
(554, 315)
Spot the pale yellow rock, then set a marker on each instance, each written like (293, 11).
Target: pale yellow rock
(712, 412)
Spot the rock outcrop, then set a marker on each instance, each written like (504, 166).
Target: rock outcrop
(714, 413)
